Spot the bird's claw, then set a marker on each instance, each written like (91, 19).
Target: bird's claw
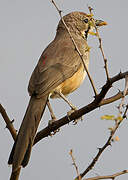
(54, 132)
(50, 124)
(72, 111)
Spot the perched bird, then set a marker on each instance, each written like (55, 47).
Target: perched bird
(58, 72)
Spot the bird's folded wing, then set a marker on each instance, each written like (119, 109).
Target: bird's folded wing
(56, 64)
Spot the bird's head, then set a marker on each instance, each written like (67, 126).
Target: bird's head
(81, 22)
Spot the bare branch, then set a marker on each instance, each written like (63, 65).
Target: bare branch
(8, 122)
(112, 98)
(74, 163)
(100, 42)
(113, 130)
(77, 114)
(101, 150)
(98, 101)
(113, 176)
(124, 94)
(125, 112)
(116, 97)
(76, 48)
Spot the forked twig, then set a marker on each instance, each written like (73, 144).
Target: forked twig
(101, 150)
(76, 48)
(113, 176)
(112, 132)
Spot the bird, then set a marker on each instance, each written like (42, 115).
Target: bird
(58, 73)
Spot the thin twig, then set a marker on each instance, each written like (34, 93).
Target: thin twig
(76, 47)
(113, 176)
(123, 95)
(113, 98)
(125, 112)
(8, 122)
(100, 46)
(101, 150)
(74, 163)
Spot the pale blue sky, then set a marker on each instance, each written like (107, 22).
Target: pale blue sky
(26, 28)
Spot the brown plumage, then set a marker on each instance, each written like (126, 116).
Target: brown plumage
(59, 68)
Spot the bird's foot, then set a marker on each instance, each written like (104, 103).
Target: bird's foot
(50, 123)
(72, 111)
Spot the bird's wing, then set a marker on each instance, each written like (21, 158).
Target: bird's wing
(58, 62)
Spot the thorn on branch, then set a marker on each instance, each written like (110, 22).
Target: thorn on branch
(11, 122)
(125, 171)
(81, 55)
(120, 71)
(110, 144)
(75, 48)
(60, 11)
(99, 149)
(100, 41)
(124, 117)
(105, 60)
(119, 91)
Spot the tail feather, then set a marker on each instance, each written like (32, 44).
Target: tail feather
(21, 150)
(10, 160)
(27, 155)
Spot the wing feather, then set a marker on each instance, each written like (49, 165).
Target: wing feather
(58, 62)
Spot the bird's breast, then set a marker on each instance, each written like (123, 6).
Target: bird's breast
(71, 84)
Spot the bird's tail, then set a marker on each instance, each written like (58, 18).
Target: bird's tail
(21, 150)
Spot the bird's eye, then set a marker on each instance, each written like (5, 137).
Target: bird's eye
(86, 20)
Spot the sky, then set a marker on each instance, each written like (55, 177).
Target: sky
(26, 28)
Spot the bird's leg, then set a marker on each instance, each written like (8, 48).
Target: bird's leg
(66, 100)
(73, 108)
(52, 116)
(51, 112)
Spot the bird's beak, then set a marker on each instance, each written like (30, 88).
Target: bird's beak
(100, 23)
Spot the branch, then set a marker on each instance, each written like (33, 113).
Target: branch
(123, 95)
(8, 122)
(100, 42)
(125, 112)
(112, 98)
(109, 176)
(97, 102)
(108, 143)
(102, 52)
(101, 150)
(74, 163)
(76, 47)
